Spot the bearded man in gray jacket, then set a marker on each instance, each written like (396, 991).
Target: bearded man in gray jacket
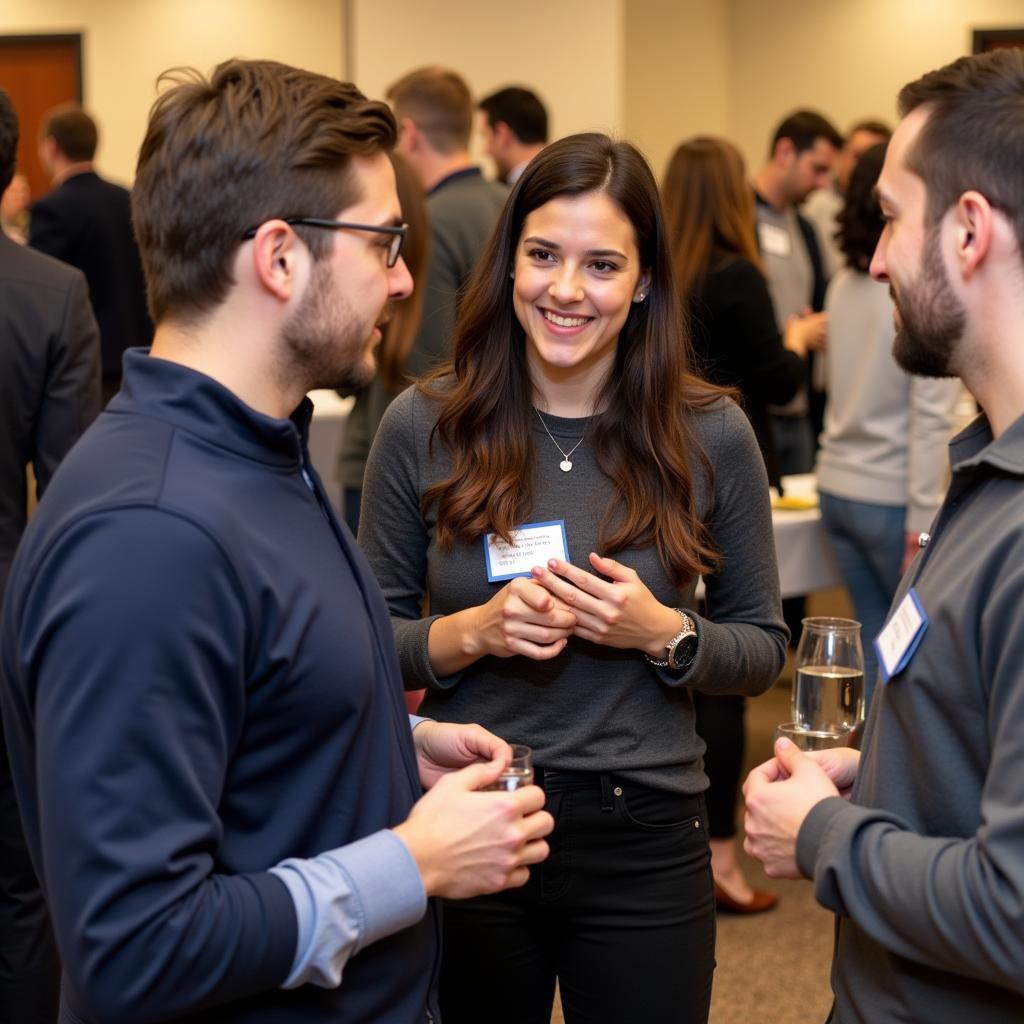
(923, 864)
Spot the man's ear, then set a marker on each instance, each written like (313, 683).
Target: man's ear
(784, 151)
(973, 227)
(410, 137)
(48, 152)
(277, 257)
(502, 133)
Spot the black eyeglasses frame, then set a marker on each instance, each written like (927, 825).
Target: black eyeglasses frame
(397, 231)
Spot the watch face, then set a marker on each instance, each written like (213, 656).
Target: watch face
(682, 654)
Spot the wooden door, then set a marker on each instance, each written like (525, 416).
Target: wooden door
(38, 73)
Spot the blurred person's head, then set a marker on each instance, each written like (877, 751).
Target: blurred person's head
(69, 136)
(14, 203)
(17, 196)
(859, 139)
(8, 140)
(434, 110)
(860, 220)
(803, 149)
(952, 194)
(513, 126)
(709, 208)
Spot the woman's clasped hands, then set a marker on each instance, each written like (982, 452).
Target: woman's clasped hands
(534, 617)
(524, 618)
(619, 611)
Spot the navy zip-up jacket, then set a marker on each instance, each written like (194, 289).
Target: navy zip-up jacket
(200, 682)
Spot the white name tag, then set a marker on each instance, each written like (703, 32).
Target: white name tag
(774, 240)
(896, 644)
(532, 544)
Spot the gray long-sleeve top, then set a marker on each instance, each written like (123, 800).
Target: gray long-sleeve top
(592, 708)
(926, 866)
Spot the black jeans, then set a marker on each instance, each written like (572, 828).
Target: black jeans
(622, 914)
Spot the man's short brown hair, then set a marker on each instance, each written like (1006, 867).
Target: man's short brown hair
(439, 103)
(974, 136)
(259, 140)
(803, 128)
(73, 130)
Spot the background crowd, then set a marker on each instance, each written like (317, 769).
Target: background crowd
(735, 337)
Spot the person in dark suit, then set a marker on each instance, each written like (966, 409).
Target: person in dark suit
(86, 221)
(49, 393)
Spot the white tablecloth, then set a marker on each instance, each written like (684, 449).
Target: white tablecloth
(329, 415)
(806, 563)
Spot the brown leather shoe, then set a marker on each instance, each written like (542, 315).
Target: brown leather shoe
(760, 902)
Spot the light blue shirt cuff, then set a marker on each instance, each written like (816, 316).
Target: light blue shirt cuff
(415, 720)
(347, 898)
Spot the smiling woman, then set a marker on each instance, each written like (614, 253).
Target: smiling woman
(568, 429)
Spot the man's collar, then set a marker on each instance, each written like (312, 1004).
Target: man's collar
(516, 173)
(72, 171)
(975, 445)
(464, 172)
(195, 402)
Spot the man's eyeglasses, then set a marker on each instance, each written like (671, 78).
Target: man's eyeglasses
(397, 232)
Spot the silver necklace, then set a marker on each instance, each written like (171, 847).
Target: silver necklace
(566, 464)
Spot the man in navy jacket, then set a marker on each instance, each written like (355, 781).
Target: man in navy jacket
(220, 790)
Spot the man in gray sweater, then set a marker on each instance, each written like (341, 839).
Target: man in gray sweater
(434, 109)
(924, 863)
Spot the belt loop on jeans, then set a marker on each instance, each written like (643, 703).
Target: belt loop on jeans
(606, 792)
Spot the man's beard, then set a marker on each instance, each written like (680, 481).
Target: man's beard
(932, 319)
(324, 344)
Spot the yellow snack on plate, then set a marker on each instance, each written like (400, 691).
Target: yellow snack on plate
(794, 503)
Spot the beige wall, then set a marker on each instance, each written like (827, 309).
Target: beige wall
(569, 51)
(655, 70)
(677, 74)
(127, 43)
(847, 58)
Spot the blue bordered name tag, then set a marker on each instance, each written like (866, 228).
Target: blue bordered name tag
(899, 639)
(532, 544)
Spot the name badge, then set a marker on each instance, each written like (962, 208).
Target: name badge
(532, 544)
(774, 240)
(896, 644)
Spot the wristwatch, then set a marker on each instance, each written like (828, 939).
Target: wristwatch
(680, 650)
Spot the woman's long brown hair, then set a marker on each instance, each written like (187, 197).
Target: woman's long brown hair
(709, 209)
(642, 437)
(400, 330)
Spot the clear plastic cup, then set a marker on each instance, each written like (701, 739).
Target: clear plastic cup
(807, 739)
(518, 772)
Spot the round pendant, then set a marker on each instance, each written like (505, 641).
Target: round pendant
(565, 465)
